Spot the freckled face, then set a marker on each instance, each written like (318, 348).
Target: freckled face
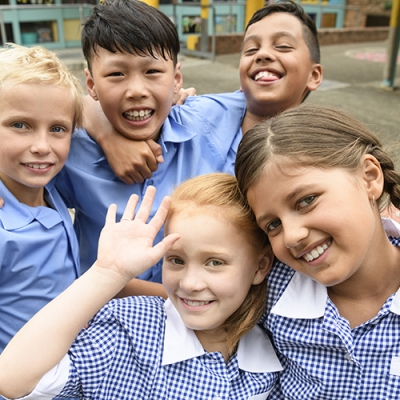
(210, 269)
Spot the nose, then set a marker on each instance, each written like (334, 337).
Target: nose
(192, 279)
(137, 88)
(294, 233)
(265, 54)
(41, 143)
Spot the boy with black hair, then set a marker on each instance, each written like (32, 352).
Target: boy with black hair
(279, 66)
(131, 50)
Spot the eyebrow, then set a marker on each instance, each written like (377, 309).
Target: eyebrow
(295, 193)
(276, 35)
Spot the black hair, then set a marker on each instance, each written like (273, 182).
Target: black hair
(310, 33)
(129, 26)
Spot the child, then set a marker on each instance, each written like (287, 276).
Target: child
(202, 343)
(40, 104)
(131, 50)
(279, 66)
(316, 180)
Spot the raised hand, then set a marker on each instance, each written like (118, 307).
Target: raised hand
(126, 247)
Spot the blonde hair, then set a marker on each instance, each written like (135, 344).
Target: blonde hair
(19, 65)
(314, 136)
(221, 190)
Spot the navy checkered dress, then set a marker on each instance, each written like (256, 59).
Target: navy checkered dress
(324, 359)
(120, 357)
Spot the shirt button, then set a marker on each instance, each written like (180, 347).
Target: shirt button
(348, 357)
(150, 182)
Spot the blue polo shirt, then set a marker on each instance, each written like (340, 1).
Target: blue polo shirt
(39, 258)
(197, 138)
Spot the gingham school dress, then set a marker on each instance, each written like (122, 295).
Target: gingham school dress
(322, 357)
(138, 348)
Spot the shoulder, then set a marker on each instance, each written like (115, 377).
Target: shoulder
(226, 101)
(210, 106)
(278, 280)
(136, 314)
(82, 143)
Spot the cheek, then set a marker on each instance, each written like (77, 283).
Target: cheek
(279, 248)
(62, 149)
(169, 279)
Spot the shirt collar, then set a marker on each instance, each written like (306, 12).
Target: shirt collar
(255, 351)
(392, 228)
(171, 131)
(305, 298)
(16, 215)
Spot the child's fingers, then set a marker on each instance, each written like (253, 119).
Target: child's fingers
(159, 218)
(161, 248)
(147, 202)
(130, 208)
(111, 214)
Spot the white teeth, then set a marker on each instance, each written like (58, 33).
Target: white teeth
(262, 74)
(37, 166)
(138, 115)
(195, 303)
(315, 253)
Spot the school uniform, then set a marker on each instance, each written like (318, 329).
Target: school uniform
(323, 358)
(196, 139)
(39, 258)
(138, 348)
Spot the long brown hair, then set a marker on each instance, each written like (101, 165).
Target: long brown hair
(314, 136)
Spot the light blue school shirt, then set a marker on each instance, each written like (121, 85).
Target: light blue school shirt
(323, 358)
(39, 258)
(199, 137)
(139, 348)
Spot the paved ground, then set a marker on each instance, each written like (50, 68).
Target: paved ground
(353, 74)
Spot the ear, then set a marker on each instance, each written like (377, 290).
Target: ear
(264, 266)
(178, 78)
(372, 175)
(315, 78)
(90, 86)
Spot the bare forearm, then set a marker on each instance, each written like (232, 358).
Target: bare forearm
(137, 287)
(46, 338)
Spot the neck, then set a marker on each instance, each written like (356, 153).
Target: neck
(32, 197)
(360, 297)
(214, 340)
(250, 120)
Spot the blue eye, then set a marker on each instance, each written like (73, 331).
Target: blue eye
(214, 263)
(58, 129)
(19, 125)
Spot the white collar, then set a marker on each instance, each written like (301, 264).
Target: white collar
(255, 351)
(305, 298)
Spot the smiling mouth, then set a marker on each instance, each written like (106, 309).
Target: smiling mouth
(194, 303)
(317, 252)
(266, 76)
(37, 166)
(138, 115)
